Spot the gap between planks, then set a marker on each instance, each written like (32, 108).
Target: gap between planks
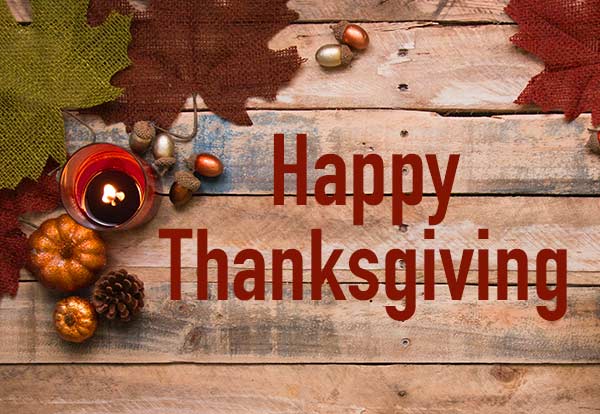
(157, 274)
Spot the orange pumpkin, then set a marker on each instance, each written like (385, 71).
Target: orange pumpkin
(65, 255)
(75, 319)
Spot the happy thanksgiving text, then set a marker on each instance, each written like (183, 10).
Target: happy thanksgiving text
(401, 265)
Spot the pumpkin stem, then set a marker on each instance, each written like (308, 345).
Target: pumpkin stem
(66, 251)
(69, 319)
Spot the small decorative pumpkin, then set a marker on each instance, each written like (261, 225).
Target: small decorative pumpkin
(75, 319)
(65, 255)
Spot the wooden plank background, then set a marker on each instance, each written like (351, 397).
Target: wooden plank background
(440, 77)
(299, 389)
(308, 331)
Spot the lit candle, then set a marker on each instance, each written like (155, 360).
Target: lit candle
(105, 187)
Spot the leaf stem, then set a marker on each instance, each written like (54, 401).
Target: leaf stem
(184, 138)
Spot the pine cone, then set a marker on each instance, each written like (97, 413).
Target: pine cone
(118, 295)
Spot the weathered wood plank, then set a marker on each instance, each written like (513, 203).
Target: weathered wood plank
(367, 10)
(440, 68)
(510, 154)
(445, 69)
(402, 389)
(394, 10)
(306, 331)
(236, 223)
(21, 9)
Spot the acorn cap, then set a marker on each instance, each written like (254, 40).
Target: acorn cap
(164, 164)
(145, 130)
(187, 180)
(347, 55)
(338, 29)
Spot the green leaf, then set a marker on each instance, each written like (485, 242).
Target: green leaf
(57, 62)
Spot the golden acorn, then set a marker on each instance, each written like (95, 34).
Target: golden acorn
(331, 56)
(163, 146)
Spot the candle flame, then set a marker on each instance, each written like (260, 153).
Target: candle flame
(111, 195)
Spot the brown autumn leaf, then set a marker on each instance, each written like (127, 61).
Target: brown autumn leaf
(564, 34)
(29, 196)
(218, 49)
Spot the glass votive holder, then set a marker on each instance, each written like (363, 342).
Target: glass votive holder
(105, 187)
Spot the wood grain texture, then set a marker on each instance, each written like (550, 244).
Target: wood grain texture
(402, 10)
(21, 9)
(509, 154)
(233, 331)
(399, 389)
(366, 10)
(236, 223)
(409, 66)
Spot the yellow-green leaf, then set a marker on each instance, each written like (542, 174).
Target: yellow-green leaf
(57, 62)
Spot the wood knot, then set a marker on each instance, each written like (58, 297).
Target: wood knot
(505, 374)
(194, 340)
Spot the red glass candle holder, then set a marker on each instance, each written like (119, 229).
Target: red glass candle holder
(105, 187)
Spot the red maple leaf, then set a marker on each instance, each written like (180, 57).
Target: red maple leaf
(29, 196)
(565, 34)
(218, 49)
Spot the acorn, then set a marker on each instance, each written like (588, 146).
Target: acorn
(206, 165)
(141, 137)
(183, 188)
(163, 146)
(332, 56)
(351, 34)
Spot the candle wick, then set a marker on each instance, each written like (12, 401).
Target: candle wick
(118, 196)
(111, 195)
